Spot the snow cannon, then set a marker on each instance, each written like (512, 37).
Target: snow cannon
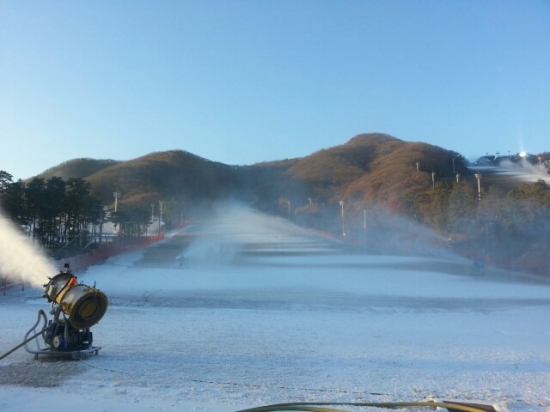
(84, 305)
(76, 307)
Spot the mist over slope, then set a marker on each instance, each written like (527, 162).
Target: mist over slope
(261, 311)
(353, 190)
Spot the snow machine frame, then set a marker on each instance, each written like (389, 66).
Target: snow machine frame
(76, 307)
(59, 338)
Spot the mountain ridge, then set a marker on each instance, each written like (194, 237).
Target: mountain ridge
(364, 186)
(369, 168)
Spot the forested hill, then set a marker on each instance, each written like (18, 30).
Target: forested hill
(374, 168)
(368, 168)
(349, 190)
(77, 168)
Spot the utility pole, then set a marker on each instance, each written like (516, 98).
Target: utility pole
(478, 177)
(288, 202)
(342, 215)
(116, 195)
(160, 212)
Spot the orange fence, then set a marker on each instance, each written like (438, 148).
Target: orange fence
(82, 262)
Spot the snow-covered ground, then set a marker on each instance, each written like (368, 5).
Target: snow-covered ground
(257, 311)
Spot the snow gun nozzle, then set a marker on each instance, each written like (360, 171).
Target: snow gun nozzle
(84, 305)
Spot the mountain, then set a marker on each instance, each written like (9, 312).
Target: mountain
(403, 187)
(368, 168)
(372, 167)
(77, 168)
(164, 175)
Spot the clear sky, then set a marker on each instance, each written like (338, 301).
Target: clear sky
(245, 81)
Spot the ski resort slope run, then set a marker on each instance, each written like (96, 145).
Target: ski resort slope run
(246, 310)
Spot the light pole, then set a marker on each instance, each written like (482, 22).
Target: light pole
(288, 202)
(342, 215)
(116, 195)
(478, 177)
(160, 212)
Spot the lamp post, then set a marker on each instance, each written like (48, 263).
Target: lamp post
(288, 202)
(116, 195)
(478, 177)
(342, 216)
(160, 212)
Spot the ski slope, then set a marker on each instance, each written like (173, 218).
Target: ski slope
(245, 310)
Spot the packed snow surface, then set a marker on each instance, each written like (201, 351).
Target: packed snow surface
(246, 310)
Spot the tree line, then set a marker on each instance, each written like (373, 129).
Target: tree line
(55, 212)
(68, 214)
(505, 226)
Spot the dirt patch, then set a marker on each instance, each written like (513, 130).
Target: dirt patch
(40, 374)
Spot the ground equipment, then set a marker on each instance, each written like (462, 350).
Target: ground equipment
(76, 307)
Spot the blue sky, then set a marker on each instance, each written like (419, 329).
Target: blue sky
(243, 81)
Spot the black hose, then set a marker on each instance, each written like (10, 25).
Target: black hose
(41, 315)
(21, 344)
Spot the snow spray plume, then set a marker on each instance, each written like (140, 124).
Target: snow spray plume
(223, 245)
(394, 233)
(234, 226)
(20, 260)
(526, 171)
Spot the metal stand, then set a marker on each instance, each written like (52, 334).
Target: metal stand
(58, 338)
